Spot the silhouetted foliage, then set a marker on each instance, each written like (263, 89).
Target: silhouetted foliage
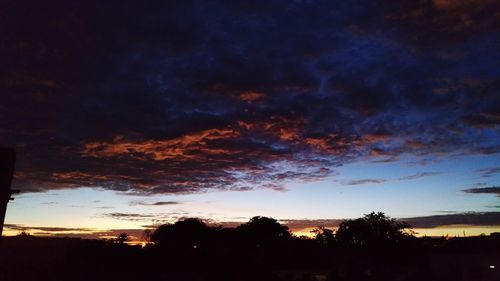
(24, 234)
(372, 230)
(324, 235)
(122, 238)
(189, 233)
(146, 235)
(263, 230)
(261, 249)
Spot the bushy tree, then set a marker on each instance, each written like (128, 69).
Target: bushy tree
(263, 230)
(372, 230)
(122, 238)
(324, 235)
(185, 234)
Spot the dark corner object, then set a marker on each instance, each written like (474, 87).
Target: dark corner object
(7, 161)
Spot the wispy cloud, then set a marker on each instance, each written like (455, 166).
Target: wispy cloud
(419, 175)
(86, 233)
(488, 172)
(21, 227)
(149, 218)
(484, 190)
(158, 203)
(365, 181)
(380, 180)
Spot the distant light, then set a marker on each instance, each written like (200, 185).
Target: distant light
(492, 267)
(143, 244)
(194, 246)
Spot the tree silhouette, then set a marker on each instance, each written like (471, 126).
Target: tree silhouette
(374, 229)
(122, 238)
(189, 233)
(263, 230)
(324, 235)
(24, 233)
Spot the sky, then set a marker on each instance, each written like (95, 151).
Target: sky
(126, 115)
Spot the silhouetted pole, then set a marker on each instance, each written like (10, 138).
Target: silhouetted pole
(7, 161)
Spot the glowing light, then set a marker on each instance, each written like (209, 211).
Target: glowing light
(492, 267)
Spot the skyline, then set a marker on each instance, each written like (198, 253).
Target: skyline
(126, 115)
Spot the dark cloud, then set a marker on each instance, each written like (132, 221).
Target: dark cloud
(105, 207)
(483, 120)
(365, 181)
(488, 172)
(85, 233)
(419, 175)
(471, 219)
(159, 203)
(47, 228)
(151, 218)
(130, 216)
(484, 190)
(298, 225)
(446, 212)
(192, 96)
(162, 203)
(448, 219)
(379, 180)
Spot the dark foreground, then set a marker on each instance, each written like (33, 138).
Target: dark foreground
(35, 258)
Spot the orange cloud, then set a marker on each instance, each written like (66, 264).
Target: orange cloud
(77, 175)
(318, 143)
(250, 96)
(182, 147)
(283, 128)
(290, 130)
(245, 125)
(288, 134)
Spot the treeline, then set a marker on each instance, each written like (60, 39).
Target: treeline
(259, 249)
(373, 247)
(374, 230)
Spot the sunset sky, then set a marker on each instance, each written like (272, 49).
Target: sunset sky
(126, 115)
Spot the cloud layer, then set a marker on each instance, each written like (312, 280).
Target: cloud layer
(171, 97)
